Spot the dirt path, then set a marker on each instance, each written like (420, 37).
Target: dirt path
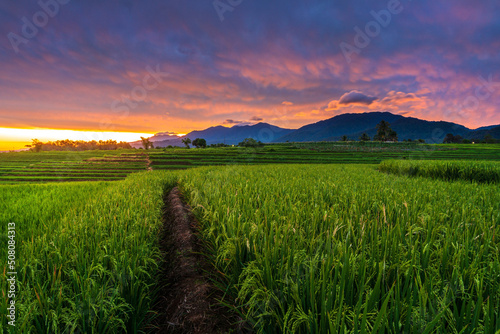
(189, 301)
(148, 163)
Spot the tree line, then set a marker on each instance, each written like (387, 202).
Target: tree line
(384, 133)
(77, 145)
(457, 139)
(202, 143)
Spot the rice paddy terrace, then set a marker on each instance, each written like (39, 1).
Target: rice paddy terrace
(70, 166)
(116, 165)
(318, 153)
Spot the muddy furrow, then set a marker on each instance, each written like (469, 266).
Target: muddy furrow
(188, 300)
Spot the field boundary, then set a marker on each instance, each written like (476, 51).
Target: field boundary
(188, 300)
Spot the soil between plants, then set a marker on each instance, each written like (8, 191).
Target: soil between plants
(189, 301)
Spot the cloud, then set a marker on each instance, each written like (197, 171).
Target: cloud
(287, 103)
(351, 98)
(333, 105)
(167, 133)
(402, 103)
(242, 123)
(399, 98)
(394, 101)
(232, 122)
(356, 97)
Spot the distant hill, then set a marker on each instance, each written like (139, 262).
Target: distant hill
(350, 125)
(354, 125)
(159, 139)
(338, 126)
(478, 134)
(486, 127)
(264, 132)
(414, 128)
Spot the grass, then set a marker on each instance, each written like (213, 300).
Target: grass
(86, 253)
(450, 170)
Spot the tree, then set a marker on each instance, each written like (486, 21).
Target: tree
(36, 145)
(200, 143)
(344, 138)
(488, 139)
(448, 139)
(146, 143)
(186, 141)
(250, 142)
(393, 136)
(451, 139)
(364, 137)
(385, 133)
(219, 145)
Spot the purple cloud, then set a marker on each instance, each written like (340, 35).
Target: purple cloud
(356, 97)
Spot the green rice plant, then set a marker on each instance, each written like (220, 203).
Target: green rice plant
(450, 170)
(86, 253)
(345, 249)
(303, 248)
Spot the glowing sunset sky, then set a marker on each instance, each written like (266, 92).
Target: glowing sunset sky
(154, 66)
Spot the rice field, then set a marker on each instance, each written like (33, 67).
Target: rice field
(450, 170)
(116, 165)
(70, 166)
(304, 240)
(317, 153)
(86, 253)
(346, 249)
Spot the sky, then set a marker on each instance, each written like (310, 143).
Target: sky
(142, 67)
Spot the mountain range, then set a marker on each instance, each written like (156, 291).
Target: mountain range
(332, 129)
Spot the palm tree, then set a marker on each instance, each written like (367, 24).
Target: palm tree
(383, 129)
(186, 141)
(385, 133)
(146, 143)
(36, 145)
